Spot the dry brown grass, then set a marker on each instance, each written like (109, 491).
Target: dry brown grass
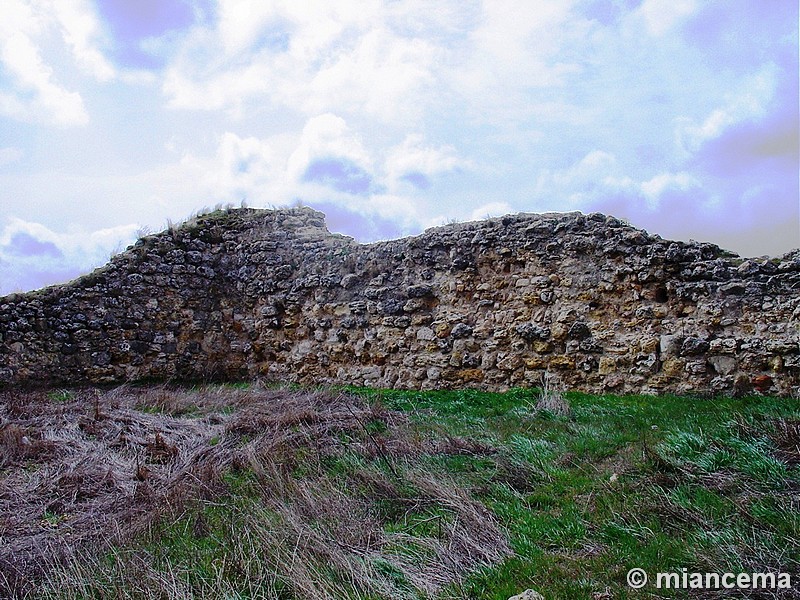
(551, 397)
(81, 477)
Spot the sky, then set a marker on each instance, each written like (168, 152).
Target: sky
(119, 116)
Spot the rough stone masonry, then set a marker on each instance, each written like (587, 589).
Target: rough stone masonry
(494, 304)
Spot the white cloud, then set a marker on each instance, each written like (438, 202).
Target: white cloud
(530, 33)
(314, 25)
(241, 168)
(33, 92)
(326, 136)
(655, 188)
(33, 255)
(240, 21)
(599, 176)
(597, 173)
(382, 76)
(748, 102)
(246, 163)
(413, 156)
(73, 242)
(322, 57)
(36, 97)
(200, 80)
(492, 209)
(81, 30)
(398, 208)
(515, 50)
(10, 155)
(660, 16)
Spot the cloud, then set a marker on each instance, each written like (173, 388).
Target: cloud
(417, 179)
(660, 16)
(145, 29)
(417, 163)
(513, 56)
(594, 176)
(749, 102)
(383, 75)
(364, 227)
(340, 174)
(763, 138)
(23, 244)
(81, 31)
(324, 57)
(655, 189)
(492, 209)
(244, 164)
(32, 255)
(32, 92)
(35, 97)
(324, 162)
(327, 137)
(248, 169)
(10, 155)
(680, 205)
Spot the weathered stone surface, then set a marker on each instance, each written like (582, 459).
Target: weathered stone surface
(528, 595)
(491, 304)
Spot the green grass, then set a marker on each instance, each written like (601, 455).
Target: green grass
(60, 396)
(656, 483)
(637, 481)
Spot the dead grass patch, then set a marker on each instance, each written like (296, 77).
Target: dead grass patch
(101, 470)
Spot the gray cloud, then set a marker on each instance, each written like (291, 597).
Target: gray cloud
(24, 244)
(341, 175)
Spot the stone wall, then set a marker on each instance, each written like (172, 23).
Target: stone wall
(249, 293)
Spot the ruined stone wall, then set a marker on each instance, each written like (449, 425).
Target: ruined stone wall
(493, 304)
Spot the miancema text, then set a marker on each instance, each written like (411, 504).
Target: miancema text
(743, 581)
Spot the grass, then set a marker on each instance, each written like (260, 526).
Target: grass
(245, 492)
(623, 482)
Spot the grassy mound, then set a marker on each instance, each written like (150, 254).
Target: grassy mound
(245, 492)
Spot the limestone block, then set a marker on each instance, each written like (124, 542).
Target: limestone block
(542, 347)
(434, 373)
(508, 362)
(673, 367)
(441, 329)
(562, 362)
(724, 365)
(535, 362)
(471, 375)
(670, 344)
(425, 334)
(722, 346)
(559, 331)
(649, 345)
(607, 365)
(528, 594)
(696, 367)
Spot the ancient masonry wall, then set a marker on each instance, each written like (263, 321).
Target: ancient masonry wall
(247, 293)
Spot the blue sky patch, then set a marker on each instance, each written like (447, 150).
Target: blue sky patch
(418, 180)
(131, 21)
(340, 174)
